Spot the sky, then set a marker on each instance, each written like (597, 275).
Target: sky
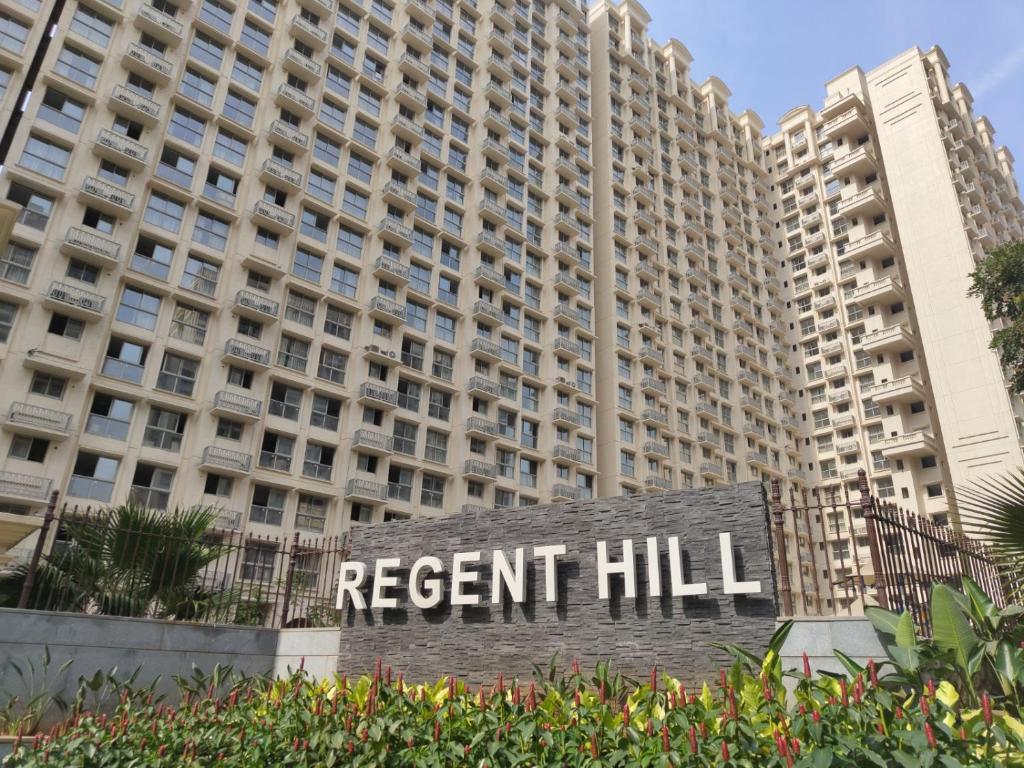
(778, 54)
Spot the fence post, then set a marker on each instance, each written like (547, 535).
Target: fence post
(778, 524)
(289, 577)
(37, 553)
(868, 509)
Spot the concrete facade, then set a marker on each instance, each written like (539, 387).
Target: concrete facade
(328, 262)
(478, 642)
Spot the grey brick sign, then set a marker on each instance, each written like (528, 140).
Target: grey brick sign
(478, 642)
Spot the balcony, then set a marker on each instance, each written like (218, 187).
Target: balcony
(479, 470)
(479, 427)
(277, 172)
(896, 337)
(384, 308)
(146, 63)
(907, 389)
(256, 306)
(650, 354)
(569, 315)
(652, 448)
(372, 442)
(377, 395)
(565, 417)
(91, 247)
(358, 489)
(107, 197)
(479, 386)
(308, 32)
(247, 353)
(759, 458)
(886, 290)
(860, 161)
(288, 136)
(400, 196)
(273, 217)
(849, 122)
(292, 98)
(570, 347)
(391, 269)
(650, 384)
(656, 483)
(159, 24)
(121, 149)
(654, 416)
(232, 404)
(919, 443)
(395, 231)
(125, 101)
(711, 470)
(36, 420)
(30, 489)
(485, 349)
(563, 492)
(567, 453)
(867, 202)
(226, 461)
(75, 301)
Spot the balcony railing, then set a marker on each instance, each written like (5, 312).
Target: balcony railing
(122, 144)
(215, 456)
(366, 438)
(366, 489)
(246, 351)
(480, 468)
(371, 391)
(90, 242)
(76, 297)
(13, 484)
(257, 302)
(230, 401)
(39, 417)
(108, 192)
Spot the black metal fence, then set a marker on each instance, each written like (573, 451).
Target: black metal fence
(104, 562)
(836, 554)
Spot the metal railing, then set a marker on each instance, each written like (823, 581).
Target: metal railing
(835, 554)
(95, 561)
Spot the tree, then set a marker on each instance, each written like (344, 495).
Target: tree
(993, 510)
(999, 283)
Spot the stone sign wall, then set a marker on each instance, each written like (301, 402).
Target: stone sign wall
(478, 641)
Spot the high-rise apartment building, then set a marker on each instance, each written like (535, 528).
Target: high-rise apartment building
(693, 388)
(329, 261)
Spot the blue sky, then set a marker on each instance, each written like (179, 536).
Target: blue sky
(778, 54)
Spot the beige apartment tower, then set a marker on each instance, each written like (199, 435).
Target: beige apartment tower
(328, 262)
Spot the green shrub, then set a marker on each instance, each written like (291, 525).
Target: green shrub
(743, 719)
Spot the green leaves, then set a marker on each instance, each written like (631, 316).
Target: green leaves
(951, 631)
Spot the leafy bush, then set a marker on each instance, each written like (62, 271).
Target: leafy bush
(743, 719)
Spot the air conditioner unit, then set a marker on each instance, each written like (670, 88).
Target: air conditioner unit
(562, 380)
(392, 355)
(372, 348)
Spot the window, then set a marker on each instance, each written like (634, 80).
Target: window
(267, 507)
(48, 385)
(68, 327)
(247, 73)
(109, 416)
(189, 324)
(45, 157)
(255, 38)
(239, 109)
(444, 327)
(307, 265)
(125, 360)
(285, 401)
(432, 491)
(326, 412)
(186, 126)
(35, 206)
(178, 374)
(310, 515)
(62, 111)
(211, 230)
(360, 168)
(344, 281)
(338, 322)
(16, 263)
(138, 308)
(404, 437)
(258, 559)
(78, 66)
(409, 395)
(152, 258)
(314, 225)
(93, 477)
(196, 86)
(436, 447)
(276, 451)
(164, 212)
(350, 242)
(218, 485)
(164, 429)
(206, 50)
(400, 483)
(293, 353)
(29, 448)
(8, 312)
(228, 429)
(443, 365)
(86, 22)
(300, 308)
(353, 203)
(332, 366)
(318, 462)
(200, 276)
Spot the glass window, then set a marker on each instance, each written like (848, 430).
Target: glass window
(45, 157)
(93, 477)
(109, 416)
(86, 22)
(178, 374)
(78, 66)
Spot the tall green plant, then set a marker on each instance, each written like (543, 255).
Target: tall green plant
(128, 561)
(993, 510)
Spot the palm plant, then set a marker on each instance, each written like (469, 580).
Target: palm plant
(129, 561)
(993, 510)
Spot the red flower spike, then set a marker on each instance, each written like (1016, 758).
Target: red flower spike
(501, 683)
(880, 728)
(593, 745)
(516, 696)
(872, 672)
(703, 730)
(930, 735)
(925, 709)
(665, 746)
(161, 750)
(986, 709)
(625, 716)
(387, 677)
(802, 709)
(816, 716)
(721, 677)
(531, 698)
(650, 727)
(725, 751)
(807, 665)
(844, 693)
(576, 699)
(693, 740)
(575, 666)
(931, 689)
(481, 701)
(963, 733)
(437, 730)
(401, 684)
(794, 744)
